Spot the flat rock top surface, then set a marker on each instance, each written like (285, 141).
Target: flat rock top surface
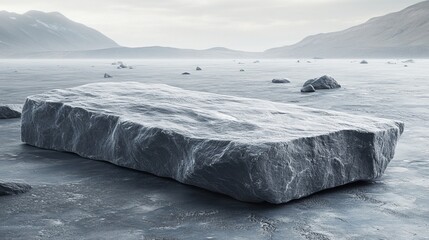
(209, 116)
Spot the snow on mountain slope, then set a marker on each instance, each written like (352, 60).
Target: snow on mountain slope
(39, 31)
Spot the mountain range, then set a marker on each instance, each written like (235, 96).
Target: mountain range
(35, 34)
(36, 31)
(399, 34)
(144, 52)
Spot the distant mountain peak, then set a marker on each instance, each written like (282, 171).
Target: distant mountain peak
(399, 34)
(419, 5)
(36, 13)
(37, 31)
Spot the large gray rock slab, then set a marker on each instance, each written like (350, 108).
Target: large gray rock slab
(10, 111)
(12, 188)
(250, 149)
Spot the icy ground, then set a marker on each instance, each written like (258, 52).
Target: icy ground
(74, 197)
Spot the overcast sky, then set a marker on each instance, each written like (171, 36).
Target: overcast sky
(252, 25)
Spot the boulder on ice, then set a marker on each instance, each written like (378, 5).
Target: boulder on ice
(324, 82)
(10, 111)
(280, 80)
(250, 149)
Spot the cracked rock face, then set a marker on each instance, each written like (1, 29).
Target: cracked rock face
(10, 111)
(249, 149)
(11, 188)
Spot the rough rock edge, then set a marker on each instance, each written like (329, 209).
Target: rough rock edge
(308, 89)
(252, 173)
(10, 111)
(323, 82)
(11, 188)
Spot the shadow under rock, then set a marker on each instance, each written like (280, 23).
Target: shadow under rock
(112, 178)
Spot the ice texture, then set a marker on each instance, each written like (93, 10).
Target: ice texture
(252, 150)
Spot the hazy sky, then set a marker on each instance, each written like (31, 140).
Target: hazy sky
(252, 25)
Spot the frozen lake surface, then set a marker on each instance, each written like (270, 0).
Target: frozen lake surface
(74, 197)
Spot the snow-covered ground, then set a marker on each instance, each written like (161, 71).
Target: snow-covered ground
(74, 197)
